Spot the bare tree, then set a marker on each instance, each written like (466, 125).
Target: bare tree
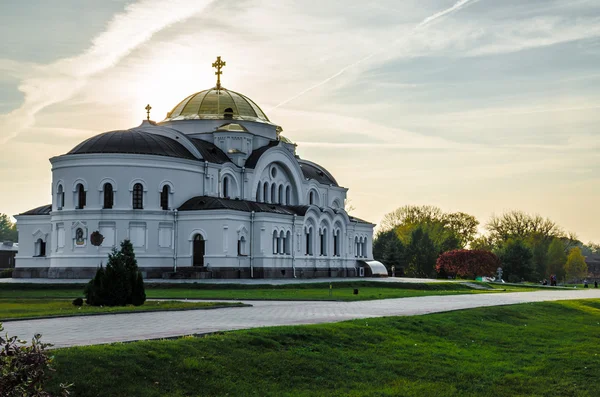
(519, 224)
(411, 214)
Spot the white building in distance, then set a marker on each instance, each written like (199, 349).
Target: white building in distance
(212, 191)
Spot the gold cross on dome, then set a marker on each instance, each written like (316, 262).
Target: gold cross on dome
(148, 107)
(218, 64)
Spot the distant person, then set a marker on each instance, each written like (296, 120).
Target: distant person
(585, 284)
(596, 284)
(545, 282)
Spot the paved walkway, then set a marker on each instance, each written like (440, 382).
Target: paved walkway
(92, 330)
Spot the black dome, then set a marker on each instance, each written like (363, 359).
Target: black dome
(133, 141)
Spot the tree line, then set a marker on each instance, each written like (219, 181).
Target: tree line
(528, 247)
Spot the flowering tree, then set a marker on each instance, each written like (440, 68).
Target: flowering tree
(468, 263)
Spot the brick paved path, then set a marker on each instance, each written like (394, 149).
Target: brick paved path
(91, 330)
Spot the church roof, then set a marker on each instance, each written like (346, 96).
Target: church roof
(310, 170)
(252, 160)
(133, 141)
(43, 210)
(203, 203)
(316, 172)
(210, 152)
(217, 104)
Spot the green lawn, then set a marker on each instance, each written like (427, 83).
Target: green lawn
(25, 308)
(540, 349)
(368, 290)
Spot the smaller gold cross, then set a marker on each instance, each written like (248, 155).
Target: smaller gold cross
(148, 107)
(218, 64)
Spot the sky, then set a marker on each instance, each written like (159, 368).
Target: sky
(479, 106)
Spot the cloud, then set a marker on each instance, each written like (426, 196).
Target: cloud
(537, 32)
(428, 20)
(54, 83)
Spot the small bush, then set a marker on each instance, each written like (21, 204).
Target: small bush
(24, 369)
(120, 284)
(6, 273)
(77, 302)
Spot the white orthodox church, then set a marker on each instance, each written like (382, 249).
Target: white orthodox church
(212, 191)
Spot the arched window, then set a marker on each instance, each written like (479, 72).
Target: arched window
(323, 237)
(288, 243)
(355, 246)
(242, 246)
(40, 247)
(336, 243)
(311, 198)
(280, 195)
(363, 249)
(108, 196)
(80, 196)
(308, 235)
(164, 197)
(226, 187)
(273, 193)
(275, 241)
(360, 247)
(266, 192)
(282, 243)
(60, 197)
(138, 196)
(288, 196)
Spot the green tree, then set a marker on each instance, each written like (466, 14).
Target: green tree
(482, 243)
(120, 283)
(516, 258)
(380, 241)
(463, 225)
(421, 254)
(388, 249)
(539, 248)
(8, 229)
(557, 258)
(575, 267)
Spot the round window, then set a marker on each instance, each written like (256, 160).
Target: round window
(273, 172)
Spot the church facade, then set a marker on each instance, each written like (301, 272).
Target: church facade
(214, 190)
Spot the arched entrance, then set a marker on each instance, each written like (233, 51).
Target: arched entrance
(199, 247)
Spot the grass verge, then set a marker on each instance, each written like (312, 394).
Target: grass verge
(314, 291)
(11, 309)
(540, 349)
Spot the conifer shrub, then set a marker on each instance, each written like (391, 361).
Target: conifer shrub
(120, 283)
(138, 295)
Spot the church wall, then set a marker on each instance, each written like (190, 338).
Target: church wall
(206, 129)
(285, 161)
(185, 177)
(31, 229)
(220, 229)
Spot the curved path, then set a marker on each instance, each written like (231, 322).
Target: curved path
(92, 330)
